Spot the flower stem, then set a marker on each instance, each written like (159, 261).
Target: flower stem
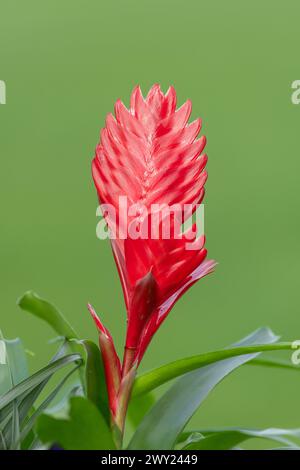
(122, 402)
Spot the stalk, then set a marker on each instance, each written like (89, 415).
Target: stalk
(121, 404)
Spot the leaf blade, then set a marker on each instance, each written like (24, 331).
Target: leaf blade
(71, 433)
(41, 308)
(31, 421)
(36, 379)
(165, 421)
(95, 378)
(157, 377)
(226, 439)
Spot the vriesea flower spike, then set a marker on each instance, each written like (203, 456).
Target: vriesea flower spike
(149, 157)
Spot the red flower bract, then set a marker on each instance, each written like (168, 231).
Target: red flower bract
(151, 154)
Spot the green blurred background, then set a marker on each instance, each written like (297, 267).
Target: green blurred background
(64, 64)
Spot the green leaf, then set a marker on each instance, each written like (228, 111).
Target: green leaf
(16, 360)
(165, 421)
(15, 428)
(25, 404)
(286, 448)
(44, 310)
(3, 444)
(95, 378)
(273, 363)
(12, 373)
(28, 384)
(60, 406)
(18, 416)
(31, 421)
(41, 308)
(16, 368)
(139, 407)
(17, 403)
(153, 379)
(28, 441)
(27, 400)
(84, 429)
(225, 439)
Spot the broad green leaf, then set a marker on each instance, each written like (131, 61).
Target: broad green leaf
(32, 303)
(165, 421)
(225, 439)
(60, 408)
(84, 429)
(44, 310)
(95, 378)
(153, 379)
(138, 407)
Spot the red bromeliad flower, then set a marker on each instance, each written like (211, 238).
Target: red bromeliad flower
(150, 154)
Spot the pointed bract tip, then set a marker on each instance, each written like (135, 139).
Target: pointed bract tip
(188, 104)
(155, 87)
(208, 266)
(97, 320)
(137, 91)
(171, 91)
(119, 107)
